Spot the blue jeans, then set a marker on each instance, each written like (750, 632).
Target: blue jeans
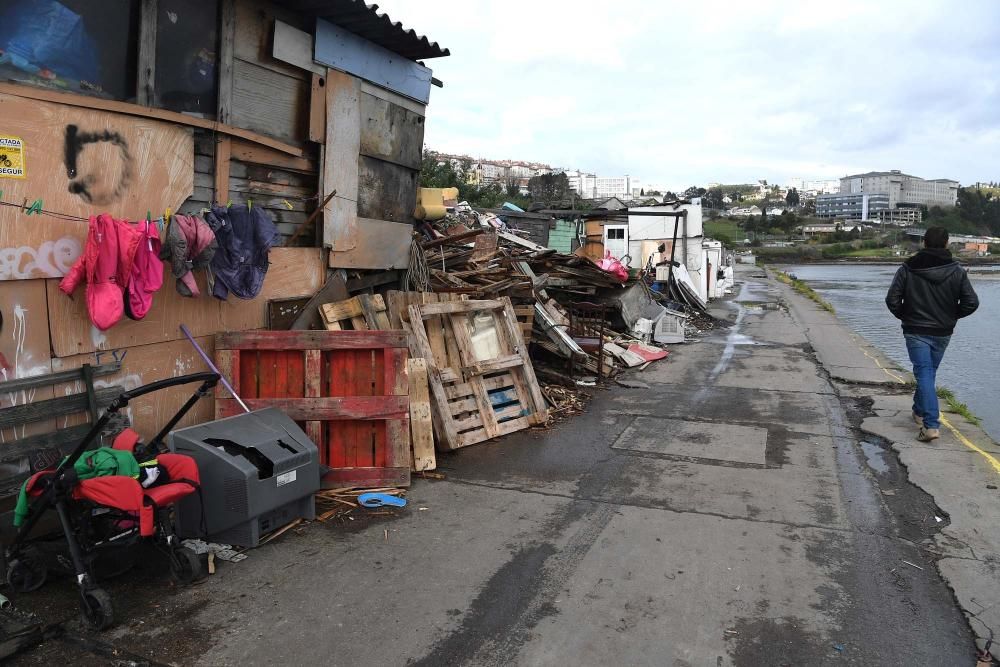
(926, 353)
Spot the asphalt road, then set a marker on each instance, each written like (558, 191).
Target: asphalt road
(726, 514)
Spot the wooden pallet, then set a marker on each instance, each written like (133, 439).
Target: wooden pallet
(347, 389)
(525, 319)
(365, 312)
(476, 399)
(398, 306)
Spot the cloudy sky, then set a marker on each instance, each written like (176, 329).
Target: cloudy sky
(689, 93)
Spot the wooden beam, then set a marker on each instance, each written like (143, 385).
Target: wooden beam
(453, 307)
(255, 153)
(491, 365)
(295, 47)
(324, 408)
(421, 427)
(457, 238)
(338, 48)
(309, 340)
(223, 152)
(317, 109)
(340, 171)
(145, 85)
(55, 407)
(74, 100)
(227, 50)
(33, 382)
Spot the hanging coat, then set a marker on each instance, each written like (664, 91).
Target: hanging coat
(147, 272)
(190, 245)
(106, 267)
(245, 237)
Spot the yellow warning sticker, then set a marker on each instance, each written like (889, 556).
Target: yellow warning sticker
(12, 161)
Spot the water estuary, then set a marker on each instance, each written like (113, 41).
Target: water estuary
(971, 367)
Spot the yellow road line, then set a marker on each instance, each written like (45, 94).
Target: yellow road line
(958, 434)
(884, 369)
(971, 445)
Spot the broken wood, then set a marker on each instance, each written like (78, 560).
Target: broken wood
(421, 427)
(365, 312)
(477, 399)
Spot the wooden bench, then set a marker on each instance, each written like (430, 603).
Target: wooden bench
(23, 457)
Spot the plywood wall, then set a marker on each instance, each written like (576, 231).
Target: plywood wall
(24, 347)
(141, 365)
(83, 162)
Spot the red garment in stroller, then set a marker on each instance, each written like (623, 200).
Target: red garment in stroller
(126, 494)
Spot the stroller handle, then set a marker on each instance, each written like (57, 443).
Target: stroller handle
(208, 377)
(208, 380)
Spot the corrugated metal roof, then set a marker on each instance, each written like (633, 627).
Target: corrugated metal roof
(366, 21)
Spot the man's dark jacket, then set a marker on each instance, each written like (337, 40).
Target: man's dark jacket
(930, 293)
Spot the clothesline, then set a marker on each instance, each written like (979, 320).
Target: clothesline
(30, 209)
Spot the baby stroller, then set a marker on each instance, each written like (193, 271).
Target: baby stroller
(106, 513)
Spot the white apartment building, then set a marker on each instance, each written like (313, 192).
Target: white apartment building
(625, 187)
(814, 187)
(902, 189)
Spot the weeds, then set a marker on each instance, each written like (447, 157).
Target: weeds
(804, 289)
(956, 406)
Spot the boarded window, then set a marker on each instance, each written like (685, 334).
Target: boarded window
(186, 64)
(83, 46)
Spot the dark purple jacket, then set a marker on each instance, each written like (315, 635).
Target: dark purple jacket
(240, 262)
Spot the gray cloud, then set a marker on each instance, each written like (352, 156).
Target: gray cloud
(769, 89)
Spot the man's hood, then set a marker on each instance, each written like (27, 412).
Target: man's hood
(933, 264)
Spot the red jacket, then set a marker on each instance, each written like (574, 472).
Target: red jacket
(106, 266)
(147, 272)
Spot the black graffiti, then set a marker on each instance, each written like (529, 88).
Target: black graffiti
(85, 184)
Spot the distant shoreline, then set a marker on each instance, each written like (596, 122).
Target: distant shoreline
(967, 261)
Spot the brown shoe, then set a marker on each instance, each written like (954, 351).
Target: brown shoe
(918, 420)
(928, 434)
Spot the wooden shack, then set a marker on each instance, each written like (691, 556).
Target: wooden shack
(146, 108)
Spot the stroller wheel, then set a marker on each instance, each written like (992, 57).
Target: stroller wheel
(26, 573)
(185, 565)
(96, 610)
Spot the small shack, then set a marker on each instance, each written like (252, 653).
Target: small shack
(312, 112)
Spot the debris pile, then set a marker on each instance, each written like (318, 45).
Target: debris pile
(343, 504)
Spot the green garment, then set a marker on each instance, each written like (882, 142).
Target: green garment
(100, 462)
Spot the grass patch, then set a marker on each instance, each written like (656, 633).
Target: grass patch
(802, 288)
(727, 228)
(956, 406)
(871, 252)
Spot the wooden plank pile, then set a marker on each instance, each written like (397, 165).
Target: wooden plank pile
(485, 263)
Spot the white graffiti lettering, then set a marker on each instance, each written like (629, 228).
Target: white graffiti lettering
(52, 259)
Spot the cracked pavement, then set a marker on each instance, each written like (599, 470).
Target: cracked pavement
(727, 514)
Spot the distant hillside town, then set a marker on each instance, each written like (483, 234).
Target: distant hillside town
(888, 197)
(584, 184)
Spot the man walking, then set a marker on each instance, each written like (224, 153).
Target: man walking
(930, 293)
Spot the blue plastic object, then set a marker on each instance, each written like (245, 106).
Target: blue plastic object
(380, 500)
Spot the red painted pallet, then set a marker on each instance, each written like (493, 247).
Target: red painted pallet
(347, 389)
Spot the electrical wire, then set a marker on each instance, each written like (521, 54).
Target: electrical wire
(69, 217)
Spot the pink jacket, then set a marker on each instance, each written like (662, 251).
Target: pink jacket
(147, 272)
(106, 266)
